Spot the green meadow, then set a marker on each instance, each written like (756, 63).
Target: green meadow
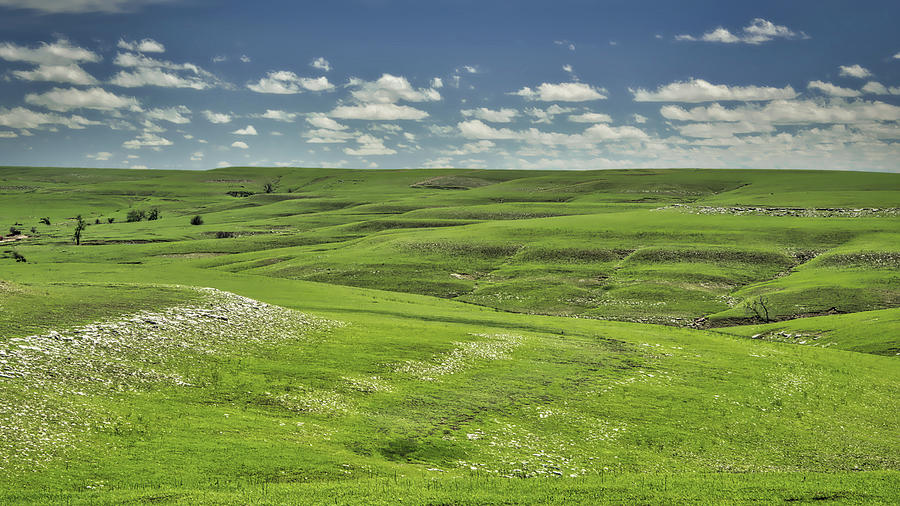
(449, 336)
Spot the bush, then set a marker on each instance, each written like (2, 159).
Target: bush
(45, 220)
(135, 215)
(96, 221)
(224, 235)
(110, 220)
(197, 220)
(14, 231)
(34, 230)
(18, 256)
(153, 214)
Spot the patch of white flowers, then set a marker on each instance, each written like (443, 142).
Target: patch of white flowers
(466, 354)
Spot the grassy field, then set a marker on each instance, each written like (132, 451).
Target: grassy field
(449, 337)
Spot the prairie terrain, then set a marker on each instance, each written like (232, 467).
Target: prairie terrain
(449, 336)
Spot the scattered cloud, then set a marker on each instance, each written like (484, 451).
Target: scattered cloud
(369, 146)
(591, 117)
(471, 148)
(278, 115)
(758, 31)
(876, 88)
(247, 130)
(389, 89)
(321, 64)
(142, 46)
(217, 118)
(637, 118)
(60, 99)
(79, 6)
(146, 140)
(476, 129)
(245, 59)
(698, 90)
(563, 92)
(498, 116)
(8, 134)
(239, 145)
(101, 156)
(157, 77)
(327, 136)
(320, 120)
(831, 89)
(71, 74)
(61, 52)
(284, 82)
(172, 114)
(437, 82)
(197, 156)
(857, 71)
(547, 115)
(378, 111)
(789, 112)
(22, 118)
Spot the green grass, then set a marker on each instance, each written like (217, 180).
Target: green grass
(492, 344)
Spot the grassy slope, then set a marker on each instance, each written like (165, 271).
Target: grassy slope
(611, 399)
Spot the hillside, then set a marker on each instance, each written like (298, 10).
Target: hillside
(449, 336)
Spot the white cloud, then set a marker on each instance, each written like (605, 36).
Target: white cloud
(320, 120)
(196, 156)
(437, 82)
(219, 58)
(471, 148)
(56, 73)
(369, 146)
(247, 130)
(698, 90)
(831, 89)
(142, 46)
(278, 115)
(591, 117)
(321, 63)
(897, 56)
(152, 72)
(476, 129)
(789, 112)
(758, 31)
(498, 116)
(146, 140)
(239, 145)
(877, 88)
(223, 163)
(857, 71)
(245, 59)
(381, 112)
(22, 118)
(59, 99)
(78, 6)
(217, 118)
(172, 114)
(327, 136)
(567, 68)
(101, 156)
(283, 82)
(61, 52)
(389, 89)
(637, 118)
(156, 77)
(722, 130)
(547, 115)
(563, 92)
(8, 134)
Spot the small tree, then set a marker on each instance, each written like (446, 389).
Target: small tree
(197, 220)
(153, 214)
(110, 219)
(135, 215)
(14, 231)
(45, 220)
(80, 225)
(758, 307)
(269, 187)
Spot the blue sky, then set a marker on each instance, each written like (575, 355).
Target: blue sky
(484, 84)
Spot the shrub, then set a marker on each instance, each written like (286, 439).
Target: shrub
(153, 214)
(34, 230)
(224, 235)
(45, 220)
(14, 231)
(197, 220)
(135, 215)
(110, 220)
(97, 221)
(18, 256)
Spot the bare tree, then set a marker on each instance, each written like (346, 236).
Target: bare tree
(759, 307)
